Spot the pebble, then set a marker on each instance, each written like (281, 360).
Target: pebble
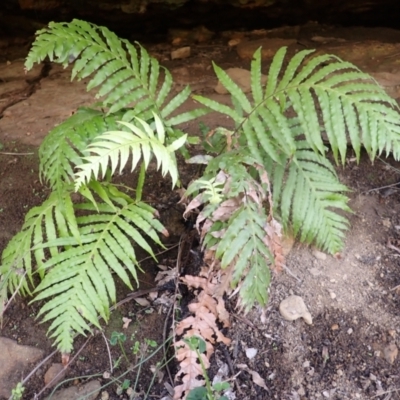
(234, 42)
(319, 255)
(182, 52)
(334, 327)
(333, 295)
(350, 331)
(293, 307)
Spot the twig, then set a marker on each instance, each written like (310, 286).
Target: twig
(390, 246)
(245, 321)
(4, 153)
(291, 273)
(387, 392)
(228, 359)
(109, 352)
(161, 252)
(165, 341)
(380, 188)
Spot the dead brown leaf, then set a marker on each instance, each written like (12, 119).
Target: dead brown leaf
(126, 322)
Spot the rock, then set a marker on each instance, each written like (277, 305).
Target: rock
(234, 42)
(88, 391)
(293, 307)
(182, 52)
(54, 374)
(246, 50)
(390, 353)
(319, 255)
(104, 396)
(242, 78)
(314, 271)
(15, 362)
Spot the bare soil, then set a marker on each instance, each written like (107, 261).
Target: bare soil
(354, 298)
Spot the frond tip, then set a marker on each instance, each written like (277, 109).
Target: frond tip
(115, 148)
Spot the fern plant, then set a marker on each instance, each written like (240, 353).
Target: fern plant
(283, 127)
(281, 134)
(68, 249)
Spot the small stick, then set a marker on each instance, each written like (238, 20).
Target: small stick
(108, 350)
(291, 273)
(390, 246)
(380, 188)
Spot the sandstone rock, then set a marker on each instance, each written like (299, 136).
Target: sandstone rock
(319, 255)
(182, 52)
(88, 391)
(293, 307)
(54, 374)
(246, 50)
(242, 78)
(15, 362)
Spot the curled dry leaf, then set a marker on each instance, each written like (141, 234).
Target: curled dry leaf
(254, 375)
(142, 301)
(195, 203)
(164, 277)
(126, 322)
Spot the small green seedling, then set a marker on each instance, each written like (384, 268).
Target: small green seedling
(210, 392)
(119, 338)
(17, 392)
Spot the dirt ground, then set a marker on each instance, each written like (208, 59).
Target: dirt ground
(347, 353)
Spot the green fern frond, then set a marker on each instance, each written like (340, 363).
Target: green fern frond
(262, 121)
(78, 282)
(242, 245)
(353, 107)
(308, 197)
(53, 219)
(116, 147)
(123, 74)
(62, 149)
